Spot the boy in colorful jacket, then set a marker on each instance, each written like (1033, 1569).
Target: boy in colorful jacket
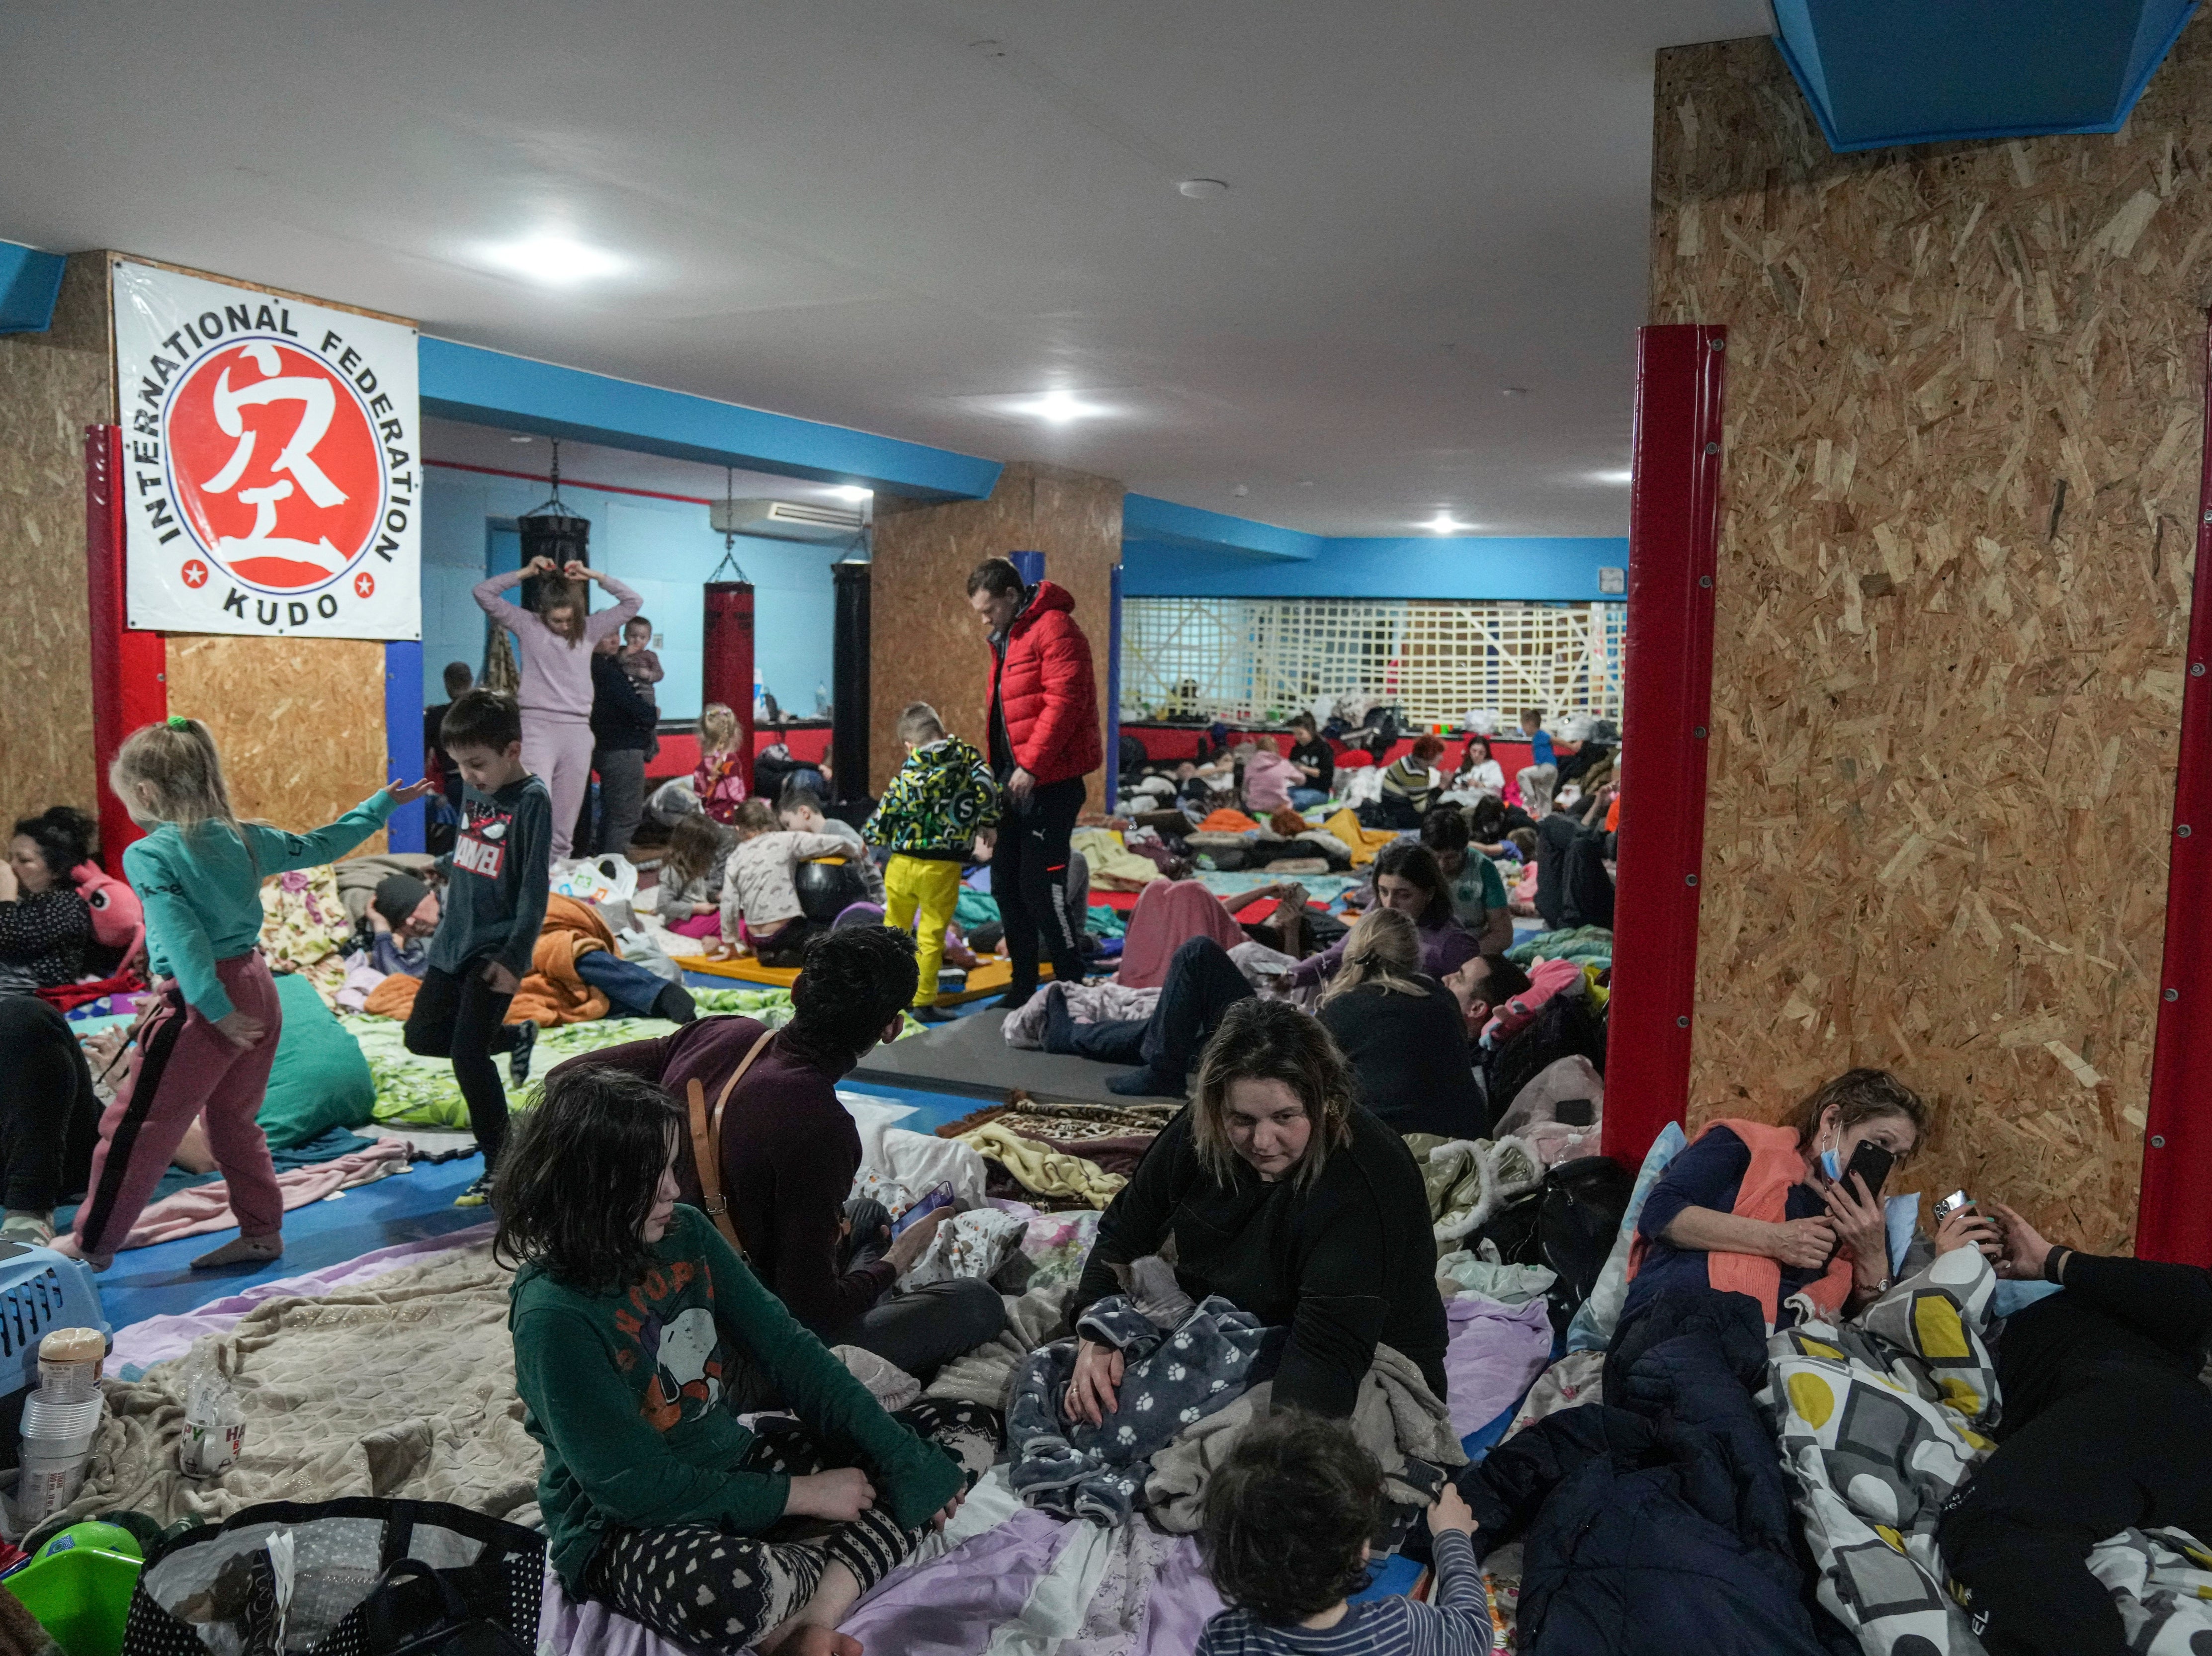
(941, 798)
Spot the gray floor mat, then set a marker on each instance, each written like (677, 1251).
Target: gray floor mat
(969, 1055)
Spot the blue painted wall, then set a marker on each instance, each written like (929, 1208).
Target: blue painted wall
(664, 548)
(1554, 569)
(30, 282)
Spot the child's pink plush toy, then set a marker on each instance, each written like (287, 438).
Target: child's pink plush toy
(119, 919)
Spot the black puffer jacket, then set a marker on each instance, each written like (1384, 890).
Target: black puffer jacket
(1662, 1524)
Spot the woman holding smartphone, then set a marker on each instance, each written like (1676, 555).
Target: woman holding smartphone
(1775, 1211)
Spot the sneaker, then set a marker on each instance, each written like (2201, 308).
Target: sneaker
(1013, 1000)
(518, 1057)
(27, 1225)
(477, 1195)
(931, 1014)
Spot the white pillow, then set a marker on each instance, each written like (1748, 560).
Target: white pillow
(1600, 1314)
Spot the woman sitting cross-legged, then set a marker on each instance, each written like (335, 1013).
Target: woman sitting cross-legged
(1291, 1201)
(638, 1332)
(1403, 1034)
(1766, 1211)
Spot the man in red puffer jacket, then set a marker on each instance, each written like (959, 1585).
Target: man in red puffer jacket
(1043, 740)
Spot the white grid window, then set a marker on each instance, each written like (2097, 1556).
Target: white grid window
(1249, 660)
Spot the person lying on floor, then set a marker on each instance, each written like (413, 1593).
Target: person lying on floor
(1289, 1200)
(1407, 879)
(402, 916)
(1478, 889)
(640, 1336)
(1765, 1211)
(2105, 1426)
(761, 911)
(789, 1152)
(1404, 1035)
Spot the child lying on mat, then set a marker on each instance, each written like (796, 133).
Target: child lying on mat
(1285, 1539)
(640, 1336)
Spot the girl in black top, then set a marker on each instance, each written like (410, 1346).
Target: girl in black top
(1316, 763)
(1287, 1199)
(1403, 1034)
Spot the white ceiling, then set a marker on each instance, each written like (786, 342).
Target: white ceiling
(853, 212)
(456, 442)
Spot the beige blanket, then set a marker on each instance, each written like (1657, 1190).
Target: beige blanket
(1397, 1418)
(403, 1387)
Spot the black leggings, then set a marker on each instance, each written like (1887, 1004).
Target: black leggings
(1202, 984)
(462, 1018)
(1029, 877)
(49, 1113)
(715, 1591)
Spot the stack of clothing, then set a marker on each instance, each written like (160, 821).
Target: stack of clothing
(1060, 1157)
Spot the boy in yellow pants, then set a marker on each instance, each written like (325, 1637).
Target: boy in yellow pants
(941, 798)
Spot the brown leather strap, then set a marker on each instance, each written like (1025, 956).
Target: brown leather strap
(707, 1142)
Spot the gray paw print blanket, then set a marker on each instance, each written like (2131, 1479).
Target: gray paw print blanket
(1170, 1381)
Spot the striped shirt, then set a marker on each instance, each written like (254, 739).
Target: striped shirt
(1457, 1624)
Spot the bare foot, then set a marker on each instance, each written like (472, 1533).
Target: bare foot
(242, 1251)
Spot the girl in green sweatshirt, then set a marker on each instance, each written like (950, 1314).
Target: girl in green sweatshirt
(639, 1334)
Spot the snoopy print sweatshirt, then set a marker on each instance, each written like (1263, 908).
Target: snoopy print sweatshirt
(628, 1392)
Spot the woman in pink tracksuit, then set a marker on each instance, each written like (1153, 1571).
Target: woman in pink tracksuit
(555, 643)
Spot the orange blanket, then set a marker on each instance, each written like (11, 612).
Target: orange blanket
(553, 994)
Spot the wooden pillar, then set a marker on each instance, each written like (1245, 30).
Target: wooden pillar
(926, 645)
(52, 386)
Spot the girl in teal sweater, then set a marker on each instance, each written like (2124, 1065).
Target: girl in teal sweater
(206, 1048)
(640, 1336)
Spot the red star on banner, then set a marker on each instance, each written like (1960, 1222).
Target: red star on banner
(195, 573)
(364, 584)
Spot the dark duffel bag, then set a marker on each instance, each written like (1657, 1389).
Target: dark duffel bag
(368, 1578)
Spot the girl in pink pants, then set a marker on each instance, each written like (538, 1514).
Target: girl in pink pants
(206, 1049)
(555, 643)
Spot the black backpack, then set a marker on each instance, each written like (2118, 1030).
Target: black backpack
(1579, 1214)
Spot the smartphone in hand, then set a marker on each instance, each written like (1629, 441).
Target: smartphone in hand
(1872, 1164)
(940, 1196)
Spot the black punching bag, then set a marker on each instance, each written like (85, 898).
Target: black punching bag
(848, 684)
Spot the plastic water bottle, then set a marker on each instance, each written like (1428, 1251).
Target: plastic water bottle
(821, 701)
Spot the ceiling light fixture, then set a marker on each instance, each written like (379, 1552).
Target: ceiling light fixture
(852, 492)
(554, 259)
(1513, 390)
(1057, 406)
(1203, 189)
(1617, 477)
(519, 440)
(1444, 524)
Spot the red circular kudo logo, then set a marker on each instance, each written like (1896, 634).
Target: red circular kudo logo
(276, 467)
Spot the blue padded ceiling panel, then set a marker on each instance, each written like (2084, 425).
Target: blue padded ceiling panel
(1880, 72)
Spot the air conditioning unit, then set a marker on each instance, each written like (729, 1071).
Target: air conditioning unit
(786, 521)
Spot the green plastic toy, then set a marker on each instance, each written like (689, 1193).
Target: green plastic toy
(78, 1587)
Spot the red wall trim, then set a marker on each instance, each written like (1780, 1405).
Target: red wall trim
(2175, 1218)
(1673, 535)
(129, 669)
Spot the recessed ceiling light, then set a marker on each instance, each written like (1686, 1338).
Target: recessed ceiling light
(519, 440)
(1513, 390)
(852, 492)
(1057, 407)
(988, 48)
(1305, 482)
(1203, 189)
(1616, 477)
(556, 259)
(1444, 524)
(1241, 490)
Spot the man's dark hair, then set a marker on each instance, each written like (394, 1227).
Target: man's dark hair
(581, 1174)
(1444, 829)
(638, 620)
(458, 677)
(1505, 981)
(1486, 819)
(996, 576)
(1285, 1515)
(798, 796)
(851, 985)
(481, 718)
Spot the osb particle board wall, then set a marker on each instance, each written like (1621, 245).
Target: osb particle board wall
(52, 386)
(927, 645)
(1959, 493)
(286, 716)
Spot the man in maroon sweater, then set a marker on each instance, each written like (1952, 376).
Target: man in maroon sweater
(790, 1152)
